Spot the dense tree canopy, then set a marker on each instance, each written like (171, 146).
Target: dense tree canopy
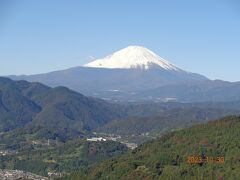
(167, 157)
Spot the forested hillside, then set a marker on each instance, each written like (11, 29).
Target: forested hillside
(42, 130)
(42, 158)
(207, 151)
(167, 120)
(31, 105)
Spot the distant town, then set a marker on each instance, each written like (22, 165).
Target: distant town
(17, 174)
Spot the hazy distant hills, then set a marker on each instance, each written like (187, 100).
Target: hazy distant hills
(215, 91)
(158, 123)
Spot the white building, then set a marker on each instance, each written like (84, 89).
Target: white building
(95, 139)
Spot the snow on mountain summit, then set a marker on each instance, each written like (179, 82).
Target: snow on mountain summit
(132, 57)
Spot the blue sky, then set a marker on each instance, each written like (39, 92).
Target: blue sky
(45, 35)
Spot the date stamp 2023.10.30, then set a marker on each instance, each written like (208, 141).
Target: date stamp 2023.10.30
(198, 159)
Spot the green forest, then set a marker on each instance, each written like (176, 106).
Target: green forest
(167, 157)
(64, 158)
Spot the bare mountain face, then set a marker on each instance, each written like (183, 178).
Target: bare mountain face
(122, 76)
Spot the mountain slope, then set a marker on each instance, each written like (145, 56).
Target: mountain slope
(33, 104)
(118, 76)
(16, 109)
(74, 109)
(168, 157)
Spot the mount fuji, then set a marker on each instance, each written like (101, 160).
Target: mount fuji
(135, 73)
(133, 57)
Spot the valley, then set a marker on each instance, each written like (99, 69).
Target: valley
(56, 131)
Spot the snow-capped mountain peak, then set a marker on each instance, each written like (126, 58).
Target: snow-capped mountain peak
(132, 57)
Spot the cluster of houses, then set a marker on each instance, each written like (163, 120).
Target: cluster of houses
(7, 152)
(17, 174)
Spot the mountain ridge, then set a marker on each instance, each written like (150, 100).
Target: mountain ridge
(125, 72)
(24, 104)
(137, 74)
